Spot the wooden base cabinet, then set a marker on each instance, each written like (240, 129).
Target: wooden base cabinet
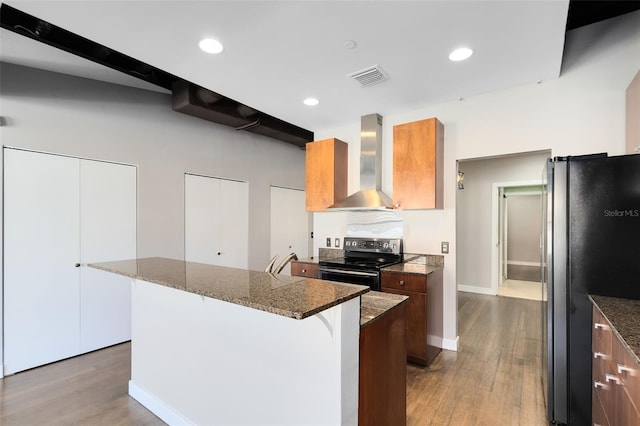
(616, 378)
(382, 390)
(304, 269)
(326, 173)
(418, 163)
(424, 312)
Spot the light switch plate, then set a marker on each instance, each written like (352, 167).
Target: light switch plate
(444, 247)
(337, 242)
(328, 241)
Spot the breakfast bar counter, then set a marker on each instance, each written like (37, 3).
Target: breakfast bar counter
(221, 346)
(292, 297)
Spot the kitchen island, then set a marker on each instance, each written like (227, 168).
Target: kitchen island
(215, 345)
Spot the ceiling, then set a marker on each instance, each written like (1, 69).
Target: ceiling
(278, 53)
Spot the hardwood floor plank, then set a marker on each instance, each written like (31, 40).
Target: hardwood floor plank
(493, 379)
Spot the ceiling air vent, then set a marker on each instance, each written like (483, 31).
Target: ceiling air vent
(370, 75)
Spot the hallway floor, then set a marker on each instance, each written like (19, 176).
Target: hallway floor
(531, 290)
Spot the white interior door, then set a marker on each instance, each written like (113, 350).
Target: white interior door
(107, 232)
(41, 237)
(216, 221)
(233, 224)
(289, 224)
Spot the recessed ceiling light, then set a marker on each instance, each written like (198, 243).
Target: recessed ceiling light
(460, 54)
(311, 101)
(210, 45)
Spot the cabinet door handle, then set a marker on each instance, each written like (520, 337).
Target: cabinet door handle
(611, 378)
(77, 265)
(631, 371)
(600, 355)
(219, 253)
(599, 385)
(401, 282)
(598, 326)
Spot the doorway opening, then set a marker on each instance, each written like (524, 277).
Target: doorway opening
(482, 255)
(519, 238)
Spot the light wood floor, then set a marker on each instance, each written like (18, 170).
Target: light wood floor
(495, 376)
(493, 379)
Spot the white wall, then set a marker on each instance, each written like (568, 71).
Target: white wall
(68, 115)
(581, 112)
(79, 117)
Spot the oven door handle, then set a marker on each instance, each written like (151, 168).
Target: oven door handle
(342, 271)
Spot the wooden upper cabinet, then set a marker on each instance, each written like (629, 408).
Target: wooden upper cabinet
(633, 116)
(326, 181)
(418, 161)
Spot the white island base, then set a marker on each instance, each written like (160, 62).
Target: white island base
(198, 360)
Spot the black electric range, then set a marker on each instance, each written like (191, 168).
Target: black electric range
(362, 261)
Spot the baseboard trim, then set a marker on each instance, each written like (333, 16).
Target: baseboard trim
(156, 406)
(473, 289)
(450, 344)
(522, 263)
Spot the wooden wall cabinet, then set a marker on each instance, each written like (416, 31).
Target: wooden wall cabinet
(418, 162)
(326, 173)
(424, 311)
(615, 398)
(304, 269)
(633, 116)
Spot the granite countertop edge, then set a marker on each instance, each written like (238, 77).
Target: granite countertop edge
(374, 305)
(294, 314)
(624, 316)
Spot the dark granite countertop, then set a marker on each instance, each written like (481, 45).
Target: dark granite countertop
(422, 264)
(323, 254)
(624, 316)
(375, 304)
(293, 297)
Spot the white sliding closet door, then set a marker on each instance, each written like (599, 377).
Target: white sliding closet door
(41, 237)
(289, 225)
(107, 232)
(216, 221)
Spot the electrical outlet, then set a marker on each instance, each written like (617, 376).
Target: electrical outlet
(337, 243)
(328, 241)
(444, 247)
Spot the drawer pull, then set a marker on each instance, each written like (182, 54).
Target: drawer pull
(601, 326)
(401, 282)
(304, 271)
(600, 355)
(631, 371)
(611, 378)
(599, 385)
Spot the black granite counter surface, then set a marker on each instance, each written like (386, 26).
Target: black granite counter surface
(293, 297)
(624, 316)
(421, 264)
(375, 304)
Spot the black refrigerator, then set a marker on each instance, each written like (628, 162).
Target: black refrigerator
(592, 246)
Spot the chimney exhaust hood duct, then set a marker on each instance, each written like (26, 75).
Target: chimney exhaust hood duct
(370, 196)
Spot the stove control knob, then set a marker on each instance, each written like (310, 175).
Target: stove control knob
(386, 245)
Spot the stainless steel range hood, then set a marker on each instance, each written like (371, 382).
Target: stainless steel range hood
(370, 196)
